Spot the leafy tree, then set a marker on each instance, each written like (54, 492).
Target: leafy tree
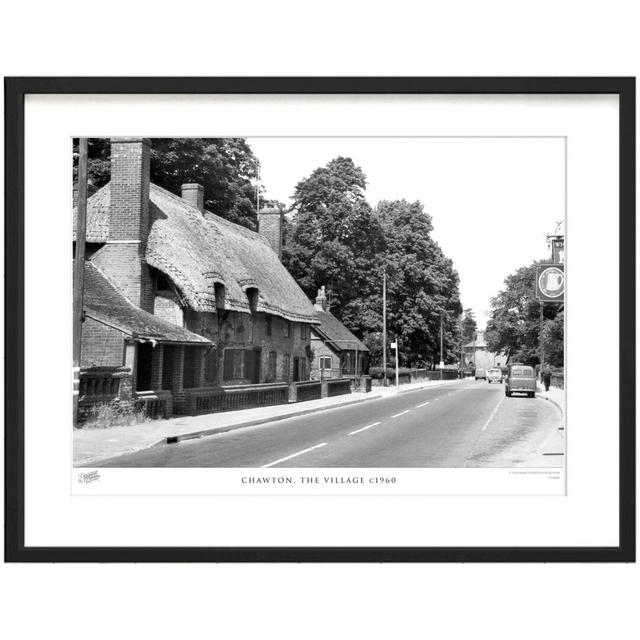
(334, 239)
(226, 168)
(469, 326)
(422, 285)
(514, 324)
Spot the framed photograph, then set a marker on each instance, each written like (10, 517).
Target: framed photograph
(320, 319)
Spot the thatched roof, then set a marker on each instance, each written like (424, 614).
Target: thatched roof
(105, 303)
(332, 331)
(197, 252)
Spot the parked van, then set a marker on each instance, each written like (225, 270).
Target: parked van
(520, 379)
(494, 375)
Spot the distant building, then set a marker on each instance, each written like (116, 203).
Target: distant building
(181, 298)
(337, 353)
(476, 354)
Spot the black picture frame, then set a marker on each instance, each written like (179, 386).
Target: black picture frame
(15, 91)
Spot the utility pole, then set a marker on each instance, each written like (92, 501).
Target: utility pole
(461, 349)
(384, 325)
(441, 351)
(78, 273)
(541, 338)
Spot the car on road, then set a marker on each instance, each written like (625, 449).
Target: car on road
(520, 379)
(494, 375)
(480, 374)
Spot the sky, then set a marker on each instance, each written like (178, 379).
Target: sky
(492, 200)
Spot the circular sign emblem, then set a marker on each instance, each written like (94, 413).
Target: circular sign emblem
(551, 282)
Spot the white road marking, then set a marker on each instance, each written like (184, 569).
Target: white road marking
(493, 413)
(424, 404)
(363, 428)
(293, 455)
(400, 414)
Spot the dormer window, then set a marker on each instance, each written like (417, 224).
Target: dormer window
(162, 282)
(252, 296)
(220, 295)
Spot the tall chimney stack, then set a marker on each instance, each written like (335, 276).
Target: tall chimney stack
(122, 258)
(270, 226)
(322, 304)
(194, 195)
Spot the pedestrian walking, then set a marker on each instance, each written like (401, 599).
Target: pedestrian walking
(546, 377)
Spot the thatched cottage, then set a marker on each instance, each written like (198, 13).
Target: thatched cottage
(181, 297)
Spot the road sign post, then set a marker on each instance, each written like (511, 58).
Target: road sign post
(394, 345)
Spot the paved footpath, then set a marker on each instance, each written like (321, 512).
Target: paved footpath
(93, 445)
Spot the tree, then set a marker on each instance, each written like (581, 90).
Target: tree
(422, 285)
(225, 167)
(469, 326)
(334, 239)
(514, 324)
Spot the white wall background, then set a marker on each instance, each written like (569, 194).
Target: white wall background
(329, 38)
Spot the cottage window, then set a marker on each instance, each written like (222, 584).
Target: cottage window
(211, 366)
(267, 324)
(286, 366)
(304, 331)
(233, 368)
(325, 362)
(286, 329)
(272, 365)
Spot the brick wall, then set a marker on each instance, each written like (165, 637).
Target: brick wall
(194, 195)
(270, 226)
(167, 307)
(122, 258)
(320, 349)
(129, 209)
(102, 346)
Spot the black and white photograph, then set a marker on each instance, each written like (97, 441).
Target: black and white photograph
(265, 323)
(319, 302)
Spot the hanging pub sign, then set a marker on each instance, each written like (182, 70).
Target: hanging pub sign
(550, 282)
(557, 249)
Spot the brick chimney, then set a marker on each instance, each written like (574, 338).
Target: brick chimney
(122, 258)
(194, 195)
(270, 226)
(322, 304)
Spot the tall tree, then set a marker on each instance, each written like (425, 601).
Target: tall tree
(514, 324)
(226, 168)
(469, 326)
(334, 239)
(423, 286)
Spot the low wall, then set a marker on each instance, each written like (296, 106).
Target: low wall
(101, 386)
(218, 399)
(303, 391)
(338, 387)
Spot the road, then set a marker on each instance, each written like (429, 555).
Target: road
(465, 424)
